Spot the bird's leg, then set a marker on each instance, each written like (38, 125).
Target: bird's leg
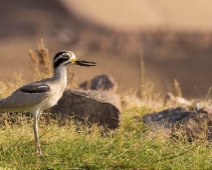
(36, 116)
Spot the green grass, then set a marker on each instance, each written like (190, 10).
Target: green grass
(132, 146)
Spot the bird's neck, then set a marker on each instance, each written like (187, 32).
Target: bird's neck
(60, 74)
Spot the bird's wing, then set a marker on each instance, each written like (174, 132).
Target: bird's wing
(35, 88)
(26, 96)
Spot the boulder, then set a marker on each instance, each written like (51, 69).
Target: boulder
(101, 82)
(179, 119)
(101, 107)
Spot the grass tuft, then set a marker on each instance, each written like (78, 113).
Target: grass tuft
(177, 92)
(41, 64)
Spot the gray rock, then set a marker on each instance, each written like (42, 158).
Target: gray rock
(167, 118)
(101, 82)
(193, 123)
(101, 107)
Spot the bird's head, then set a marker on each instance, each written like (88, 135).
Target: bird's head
(65, 58)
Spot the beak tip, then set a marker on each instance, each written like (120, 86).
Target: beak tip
(85, 63)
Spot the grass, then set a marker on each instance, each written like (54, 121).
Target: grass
(130, 147)
(76, 146)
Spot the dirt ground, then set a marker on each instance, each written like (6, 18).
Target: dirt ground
(168, 54)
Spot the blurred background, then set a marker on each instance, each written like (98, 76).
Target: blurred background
(174, 38)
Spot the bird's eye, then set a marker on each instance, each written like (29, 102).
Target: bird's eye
(66, 57)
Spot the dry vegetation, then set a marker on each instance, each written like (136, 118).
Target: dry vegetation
(41, 65)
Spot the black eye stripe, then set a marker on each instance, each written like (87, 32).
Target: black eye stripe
(59, 54)
(61, 57)
(58, 62)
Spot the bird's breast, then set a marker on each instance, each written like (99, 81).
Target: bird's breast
(55, 95)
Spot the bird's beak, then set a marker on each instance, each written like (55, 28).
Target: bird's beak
(84, 63)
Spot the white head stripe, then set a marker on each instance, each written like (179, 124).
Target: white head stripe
(57, 58)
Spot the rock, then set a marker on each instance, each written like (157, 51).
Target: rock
(176, 119)
(101, 82)
(166, 118)
(101, 107)
(170, 99)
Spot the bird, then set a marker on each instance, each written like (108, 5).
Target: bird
(38, 96)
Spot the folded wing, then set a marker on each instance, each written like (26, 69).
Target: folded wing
(27, 96)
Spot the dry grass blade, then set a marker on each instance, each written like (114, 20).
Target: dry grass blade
(43, 56)
(142, 74)
(122, 72)
(41, 65)
(88, 84)
(34, 64)
(176, 89)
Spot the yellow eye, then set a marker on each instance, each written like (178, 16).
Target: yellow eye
(66, 57)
